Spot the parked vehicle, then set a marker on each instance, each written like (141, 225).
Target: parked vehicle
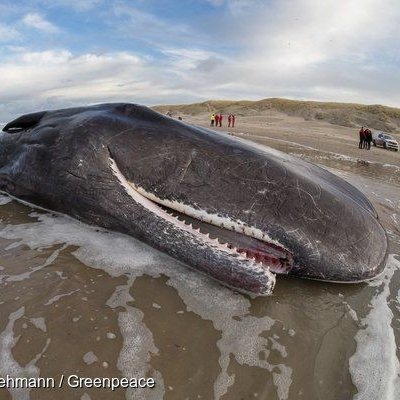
(385, 140)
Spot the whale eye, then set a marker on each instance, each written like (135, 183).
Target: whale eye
(24, 123)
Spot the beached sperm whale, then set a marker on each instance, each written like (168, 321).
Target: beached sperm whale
(237, 212)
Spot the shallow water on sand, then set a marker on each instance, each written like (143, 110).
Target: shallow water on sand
(79, 300)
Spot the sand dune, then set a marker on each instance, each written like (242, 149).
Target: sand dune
(343, 114)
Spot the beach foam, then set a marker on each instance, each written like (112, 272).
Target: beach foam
(374, 367)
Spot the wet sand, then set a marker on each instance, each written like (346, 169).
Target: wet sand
(76, 299)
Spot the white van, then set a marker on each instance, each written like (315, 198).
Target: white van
(385, 140)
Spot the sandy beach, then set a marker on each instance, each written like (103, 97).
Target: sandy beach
(322, 136)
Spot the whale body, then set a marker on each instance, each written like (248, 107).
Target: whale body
(237, 212)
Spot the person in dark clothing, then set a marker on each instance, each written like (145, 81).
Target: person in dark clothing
(365, 144)
(362, 138)
(368, 139)
(229, 120)
(220, 119)
(233, 121)
(216, 119)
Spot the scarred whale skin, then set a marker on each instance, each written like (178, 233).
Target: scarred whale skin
(127, 168)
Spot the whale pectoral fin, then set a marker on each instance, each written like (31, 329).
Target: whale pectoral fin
(24, 123)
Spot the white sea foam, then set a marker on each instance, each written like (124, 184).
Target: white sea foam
(138, 344)
(39, 323)
(59, 296)
(374, 367)
(25, 275)
(8, 365)
(4, 200)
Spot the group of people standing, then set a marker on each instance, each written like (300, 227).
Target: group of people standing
(365, 139)
(216, 120)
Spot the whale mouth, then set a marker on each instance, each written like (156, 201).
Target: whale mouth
(270, 255)
(236, 238)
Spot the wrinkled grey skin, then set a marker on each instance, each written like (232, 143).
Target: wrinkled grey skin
(60, 160)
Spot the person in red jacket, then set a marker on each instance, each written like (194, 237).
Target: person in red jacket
(220, 119)
(229, 120)
(216, 119)
(233, 121)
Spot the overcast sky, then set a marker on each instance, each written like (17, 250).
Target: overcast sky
(58, 53)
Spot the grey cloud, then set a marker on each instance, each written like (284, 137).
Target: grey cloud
(209, 64)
